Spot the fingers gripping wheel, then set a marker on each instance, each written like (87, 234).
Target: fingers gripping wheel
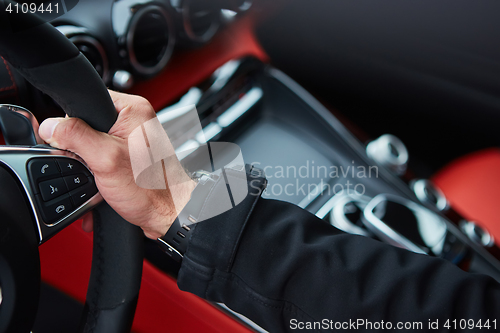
(60, 71)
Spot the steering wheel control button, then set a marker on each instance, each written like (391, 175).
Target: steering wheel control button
(71, 167)
(83, 193)
(75, 181)
(52, 189)
(41, 168)
(57, 209)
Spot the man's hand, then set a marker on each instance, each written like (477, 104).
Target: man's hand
(107, 155)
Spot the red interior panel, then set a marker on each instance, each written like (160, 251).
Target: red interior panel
(66, 261)
(472, 186)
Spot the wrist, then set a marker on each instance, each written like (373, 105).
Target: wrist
(162, 214)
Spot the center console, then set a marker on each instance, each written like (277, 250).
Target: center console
(312, 160)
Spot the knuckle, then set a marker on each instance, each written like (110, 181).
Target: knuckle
(143, 107)
(142, 102)
(112, 161)
(71, 131)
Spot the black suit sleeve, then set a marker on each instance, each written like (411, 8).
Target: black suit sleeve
(280, 265)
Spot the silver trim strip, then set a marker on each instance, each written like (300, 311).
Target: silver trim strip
(359, 149)
(470, 229)
(170, 248)
(389, 235)
(247, 321)
(338, 217)
(311, 197)
(327, 207)
(240, 107)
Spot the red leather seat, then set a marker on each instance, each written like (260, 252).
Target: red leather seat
(472, 186)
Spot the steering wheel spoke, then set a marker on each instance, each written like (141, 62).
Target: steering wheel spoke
(62, 72)
(58, 185)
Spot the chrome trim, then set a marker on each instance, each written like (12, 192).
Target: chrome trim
(223, 74)
(238, 109)
(389, 235)
(380, 151)
(208, 133)
(233, 113)
(470, 228)
(170, 248)
(130, 39)
(184, 105)
(359, 149)
(330, 204)
(337, 215)
(311, 197)
(326, 208)
(422, 187)
(241, 317)
(16, 158)
(123, 80)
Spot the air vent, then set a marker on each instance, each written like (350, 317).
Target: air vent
(150, 40)
(201, 20)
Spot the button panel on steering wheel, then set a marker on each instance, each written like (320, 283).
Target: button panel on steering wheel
(60, 185)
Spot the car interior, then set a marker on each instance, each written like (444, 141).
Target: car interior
(379, 117)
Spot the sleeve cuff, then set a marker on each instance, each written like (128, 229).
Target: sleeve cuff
(214, 242)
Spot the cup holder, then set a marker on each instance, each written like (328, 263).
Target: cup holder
(406, 224)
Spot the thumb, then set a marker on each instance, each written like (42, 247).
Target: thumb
(75, 135)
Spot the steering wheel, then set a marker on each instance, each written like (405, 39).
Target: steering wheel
(51, 63)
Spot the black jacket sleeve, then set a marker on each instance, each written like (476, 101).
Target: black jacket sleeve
(281, 266)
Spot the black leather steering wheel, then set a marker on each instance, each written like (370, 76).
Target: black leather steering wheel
(51, 63)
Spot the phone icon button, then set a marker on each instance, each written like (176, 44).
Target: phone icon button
(42, 167)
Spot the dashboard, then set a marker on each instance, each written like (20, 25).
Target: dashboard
(130, 40)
